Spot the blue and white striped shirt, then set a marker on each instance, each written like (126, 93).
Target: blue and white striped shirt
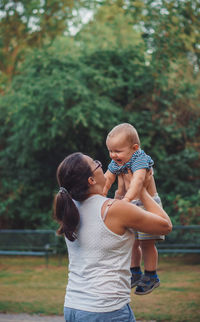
(139, 160)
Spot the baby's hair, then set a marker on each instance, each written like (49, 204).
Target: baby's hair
(128, 130)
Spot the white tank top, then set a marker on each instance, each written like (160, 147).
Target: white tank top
(99, 263)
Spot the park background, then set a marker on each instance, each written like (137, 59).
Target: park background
(69, 72)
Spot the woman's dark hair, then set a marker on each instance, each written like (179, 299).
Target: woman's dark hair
(72, 175)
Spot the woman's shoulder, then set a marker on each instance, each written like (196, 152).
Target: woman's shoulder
(119, 207)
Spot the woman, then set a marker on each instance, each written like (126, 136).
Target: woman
(99, 241)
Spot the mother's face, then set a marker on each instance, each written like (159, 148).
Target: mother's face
(97, 172)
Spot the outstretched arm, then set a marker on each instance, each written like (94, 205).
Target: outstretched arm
(136, 185)
(121, 190)
(123, 215)
(110, 179)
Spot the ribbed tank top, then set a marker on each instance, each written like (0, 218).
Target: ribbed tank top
(99, 263)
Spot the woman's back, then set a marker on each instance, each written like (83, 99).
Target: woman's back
(99, 262)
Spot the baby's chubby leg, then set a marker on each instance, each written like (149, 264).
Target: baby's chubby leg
(150, 280)
(136, 254)
(136, 258)
(150, 254)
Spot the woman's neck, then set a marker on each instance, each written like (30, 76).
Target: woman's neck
(95, 191)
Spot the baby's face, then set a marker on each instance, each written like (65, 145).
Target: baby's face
(119, 149)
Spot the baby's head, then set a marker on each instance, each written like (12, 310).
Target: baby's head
(122, 141)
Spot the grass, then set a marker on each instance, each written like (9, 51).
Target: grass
(27, 286)
(178, 297)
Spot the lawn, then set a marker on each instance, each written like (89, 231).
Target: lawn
(28, 286)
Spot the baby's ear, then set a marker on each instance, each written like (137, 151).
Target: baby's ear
(135, 147)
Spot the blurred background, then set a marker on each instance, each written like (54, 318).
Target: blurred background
(71, 70)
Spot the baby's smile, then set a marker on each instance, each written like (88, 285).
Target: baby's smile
(119, 161)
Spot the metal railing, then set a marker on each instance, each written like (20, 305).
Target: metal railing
(182, 239)
(28, 242)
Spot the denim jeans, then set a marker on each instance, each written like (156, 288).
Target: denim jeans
(125, 314)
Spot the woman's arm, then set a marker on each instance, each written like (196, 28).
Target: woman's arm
(123, 215)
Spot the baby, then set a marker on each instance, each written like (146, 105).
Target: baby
(130, 163)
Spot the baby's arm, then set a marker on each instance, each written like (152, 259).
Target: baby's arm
(110, 179)
(120, 192)
(136, 185)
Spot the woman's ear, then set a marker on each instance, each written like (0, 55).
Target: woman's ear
(91, 181)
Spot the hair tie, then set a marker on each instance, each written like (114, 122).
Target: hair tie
(63, 190)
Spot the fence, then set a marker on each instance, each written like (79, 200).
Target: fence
(28, 242)
(182, 239)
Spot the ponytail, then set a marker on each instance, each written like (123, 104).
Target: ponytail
(72, 177)
(67, 214)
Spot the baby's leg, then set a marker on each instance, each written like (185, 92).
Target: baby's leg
(150, 254)
(150, 279)
(136, 254)
(136, 258)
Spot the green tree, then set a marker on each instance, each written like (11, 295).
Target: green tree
(110, 27)
(69, 95)
(57, 105)
(33, 23)
(170, 102)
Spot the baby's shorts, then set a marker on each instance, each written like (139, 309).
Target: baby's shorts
(144, 236)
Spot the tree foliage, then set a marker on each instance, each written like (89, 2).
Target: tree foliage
(33, 23)
(142, 68)
(112, 26)
(55, 107)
